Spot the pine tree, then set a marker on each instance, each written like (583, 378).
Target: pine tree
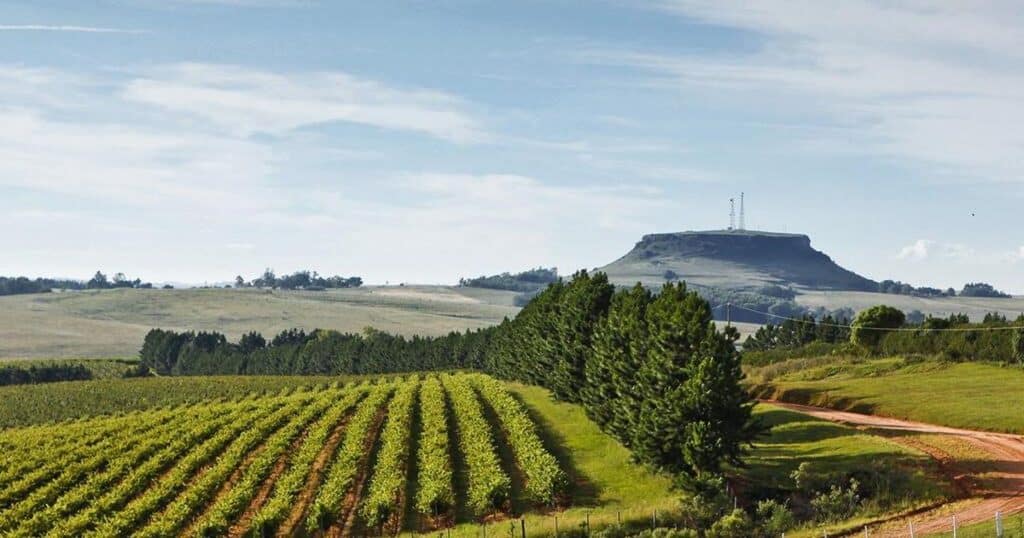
(583, 304)
(609, 396)
(694, 414)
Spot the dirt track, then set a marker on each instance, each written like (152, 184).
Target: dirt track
(991, 479)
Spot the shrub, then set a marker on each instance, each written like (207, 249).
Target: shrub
(773, 518)
(869, 325)
(735, 524)
(837, 503)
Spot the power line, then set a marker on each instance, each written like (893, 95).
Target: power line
(900, 329)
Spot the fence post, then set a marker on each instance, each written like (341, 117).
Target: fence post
(556, 525)
(954, 526)
(522, 526)
(865, 531)
(912, 535)
(588, 522)
(654, 519)
(999, 525)
(618, 517)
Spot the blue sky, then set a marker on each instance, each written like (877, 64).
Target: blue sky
(193, 140)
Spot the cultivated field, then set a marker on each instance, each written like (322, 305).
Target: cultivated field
(409, 454)
(112, 323)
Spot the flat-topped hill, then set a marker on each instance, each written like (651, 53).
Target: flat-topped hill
(734, 259)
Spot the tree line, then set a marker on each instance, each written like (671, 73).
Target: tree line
(971, 289)
(526, 281)
(651, 369)
(318, 352)
(21, 285)
(15, 374)
(886, 330)
(299, 280)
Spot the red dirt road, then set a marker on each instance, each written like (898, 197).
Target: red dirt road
(991, 478)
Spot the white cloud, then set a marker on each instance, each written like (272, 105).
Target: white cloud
(939, 83)
(66, 28)
(248, 101)
(926, 249)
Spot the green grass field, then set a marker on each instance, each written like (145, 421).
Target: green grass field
(112, 323)
(796, 438)
(962, 395)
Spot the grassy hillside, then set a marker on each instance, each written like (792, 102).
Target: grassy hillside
(797, 439)
(112, 323)
(963, 395)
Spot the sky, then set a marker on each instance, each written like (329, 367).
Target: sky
(423, 141)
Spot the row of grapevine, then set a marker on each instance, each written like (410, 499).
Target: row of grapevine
(217, 519)
(30, 448)
(196, 469)
(57, 462)
(44, 517)
(326, 508)
(488, 485)
(288, 485)
(149, 499)
(175, 516)
(545, 480)
(389, 475)
(436, 494)
(105, 503)
(37, 510)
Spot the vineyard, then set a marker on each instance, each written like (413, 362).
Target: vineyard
(418, 453)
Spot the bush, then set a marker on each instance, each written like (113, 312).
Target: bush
(773, 518)
(837, 503)
(869, 325)
(735, 524)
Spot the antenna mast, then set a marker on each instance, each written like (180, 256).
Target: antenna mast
(732, 214)
(743, 225)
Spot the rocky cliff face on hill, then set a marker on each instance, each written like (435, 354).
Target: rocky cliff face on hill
(734, 259)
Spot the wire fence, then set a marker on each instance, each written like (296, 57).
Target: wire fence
(584, 523)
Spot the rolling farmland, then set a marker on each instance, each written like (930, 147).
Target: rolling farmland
(371, 457)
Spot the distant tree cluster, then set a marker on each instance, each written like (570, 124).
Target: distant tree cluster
(981, 289)
(973, 289)
(15, 374)
(527, 281)
(299, 280)
(99, 281)
(318, 352)
(793, 333)
(895, 287)
(21, 285)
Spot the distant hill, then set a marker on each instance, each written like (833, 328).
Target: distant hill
(734, 259)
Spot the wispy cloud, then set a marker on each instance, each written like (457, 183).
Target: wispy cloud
(935, 83)
(67, 28)
(930, 250)
(248, 101)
